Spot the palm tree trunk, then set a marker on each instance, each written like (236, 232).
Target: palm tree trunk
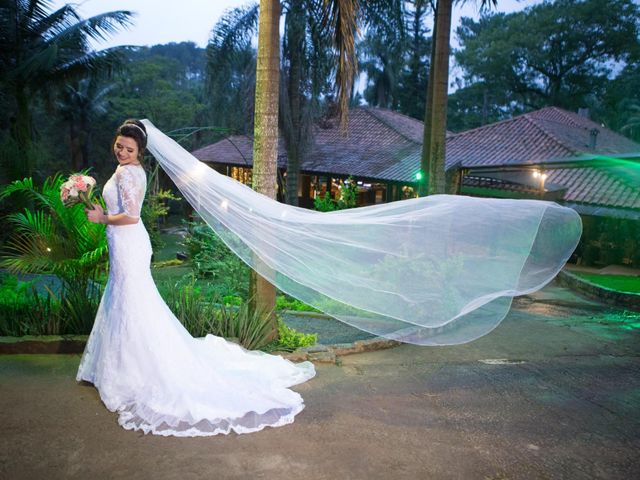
(294, 150)
(265, 143)
(433, 149)
(425, 164)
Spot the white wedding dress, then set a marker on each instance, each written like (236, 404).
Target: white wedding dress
(151, 371)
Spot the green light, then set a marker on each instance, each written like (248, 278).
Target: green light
(419, 176)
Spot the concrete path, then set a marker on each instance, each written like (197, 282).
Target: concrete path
(552, 393)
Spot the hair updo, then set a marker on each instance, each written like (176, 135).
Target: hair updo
(135, 129)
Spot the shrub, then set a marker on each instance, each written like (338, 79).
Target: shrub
(348, 194)
(51, 239)
(25, 311)
(213, 260)
(202, 315)
(290, 339)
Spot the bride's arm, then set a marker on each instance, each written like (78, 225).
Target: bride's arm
(98, 215)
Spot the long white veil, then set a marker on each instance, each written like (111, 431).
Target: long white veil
(436, 270)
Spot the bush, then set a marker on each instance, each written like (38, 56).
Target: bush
(47, 238)
(154, 209)
(290, 339)
(230, 318)
(200, 314)
(348, 194)
(213, 260)
(25, 311)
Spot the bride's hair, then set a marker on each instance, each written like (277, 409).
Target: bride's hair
(135, 129)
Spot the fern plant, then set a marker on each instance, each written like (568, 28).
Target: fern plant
(51, 239)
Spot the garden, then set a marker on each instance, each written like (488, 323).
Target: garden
(55, 268)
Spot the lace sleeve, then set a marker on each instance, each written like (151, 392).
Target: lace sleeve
(130, 193)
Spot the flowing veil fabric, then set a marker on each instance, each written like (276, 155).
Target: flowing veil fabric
(436, 270)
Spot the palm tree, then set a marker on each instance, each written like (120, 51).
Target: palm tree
(43, 48)
(265, 137)
(341, 16)
(306, 65)
(435, 120)
(230, 70)
(383, 64)
(79, 104)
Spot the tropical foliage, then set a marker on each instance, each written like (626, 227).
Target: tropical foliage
(48, 238)
(212, 259)
(202, 314)
(44, 49)
(347, 199)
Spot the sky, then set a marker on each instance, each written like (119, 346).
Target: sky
(192, 20)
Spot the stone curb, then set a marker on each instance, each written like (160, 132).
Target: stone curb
(319, 353)
(43, 344)
(597, 292)
(332, 353)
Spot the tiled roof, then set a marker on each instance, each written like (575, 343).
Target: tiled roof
(575, 131)
(384, 145)
(596, 186)
(235, 150)
(375, 139)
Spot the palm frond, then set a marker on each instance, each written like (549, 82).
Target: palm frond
(101, 63)
(99, 27)
(46, 196)
(48, 25)
(30, 223)
(94, 257)
(342, 17)
(235, 29)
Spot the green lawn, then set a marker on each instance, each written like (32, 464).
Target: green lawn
(620, 283)
(173, 244)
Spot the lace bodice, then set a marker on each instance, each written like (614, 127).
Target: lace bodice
(125, 190)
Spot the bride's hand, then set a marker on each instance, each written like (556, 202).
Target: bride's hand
(96, 215)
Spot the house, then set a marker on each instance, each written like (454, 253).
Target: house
(549, 154)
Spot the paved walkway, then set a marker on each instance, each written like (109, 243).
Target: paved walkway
(552, 393)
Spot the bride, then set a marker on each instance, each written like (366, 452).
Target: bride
(436, 270)
(144, 363)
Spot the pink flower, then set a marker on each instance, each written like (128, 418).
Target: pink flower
(80, 185)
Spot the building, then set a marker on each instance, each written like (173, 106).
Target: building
(549, 153)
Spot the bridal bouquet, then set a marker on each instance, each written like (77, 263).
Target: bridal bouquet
(77, 189)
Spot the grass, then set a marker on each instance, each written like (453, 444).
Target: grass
(619, 283)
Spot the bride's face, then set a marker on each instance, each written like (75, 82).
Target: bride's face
(126, 150)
